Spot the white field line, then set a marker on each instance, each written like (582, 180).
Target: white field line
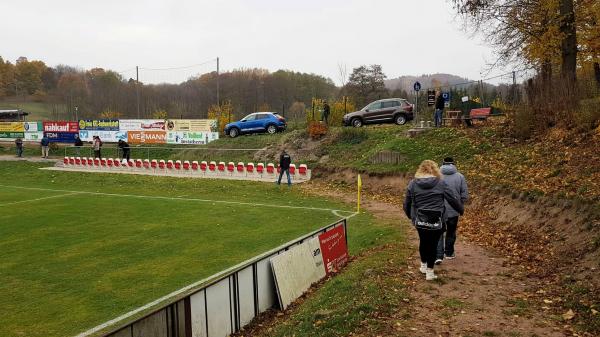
(180, 198)
(37, 199)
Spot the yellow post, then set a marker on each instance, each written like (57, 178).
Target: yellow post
(359, 184)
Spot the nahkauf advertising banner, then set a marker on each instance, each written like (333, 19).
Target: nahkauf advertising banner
(105, 136)
(191, 125)
(61, 126)
(99, 124)
(12, 127)
(61, 137)
(147, 137)
(181, 137)
(141, 125)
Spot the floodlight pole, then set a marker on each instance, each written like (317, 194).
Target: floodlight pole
(218, 86)
(137, 90)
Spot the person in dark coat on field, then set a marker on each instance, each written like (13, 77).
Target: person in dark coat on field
(326, 111)
(427, 193)
(45, 143)
(456, 181)
(124, 147)
(284, 164)
(439, 110)
(78, 144)
(19, 145)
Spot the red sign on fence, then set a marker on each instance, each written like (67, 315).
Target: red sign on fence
(334, 249)
(62, 126)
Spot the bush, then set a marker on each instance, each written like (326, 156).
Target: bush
(587, 118)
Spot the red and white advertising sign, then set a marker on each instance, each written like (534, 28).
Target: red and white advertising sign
(334, 249)
(61, 126)
(147, 137)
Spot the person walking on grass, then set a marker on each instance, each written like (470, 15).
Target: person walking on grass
(456, 181)
(424, 203)
(19, 145)
(124, 147)
(439, 110)
(78, 145)
(45, 143)
(97, 144)
(284, 166)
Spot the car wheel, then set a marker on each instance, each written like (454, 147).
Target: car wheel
(271, 129)
(400, 119)
(357, 122)
(234, 132)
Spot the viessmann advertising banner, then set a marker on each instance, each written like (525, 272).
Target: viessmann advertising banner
(147, 137)
(141, 125)
(191, 125)
(99, 124)
(12, 127)
(61, 126)
(105, 136)
(181, 137)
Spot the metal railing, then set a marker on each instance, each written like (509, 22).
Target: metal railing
(214, 307)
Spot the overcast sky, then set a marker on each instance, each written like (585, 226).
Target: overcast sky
(407, 37)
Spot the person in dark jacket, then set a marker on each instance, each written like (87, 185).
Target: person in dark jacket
(19, 145)
(45, 143)
(284, 164)
(326, 111)
(456, 181)
(78, 144)
(97, 145)
(427, 191)
(439, 110)
(124, 147)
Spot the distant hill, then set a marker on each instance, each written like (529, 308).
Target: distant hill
(427, 81)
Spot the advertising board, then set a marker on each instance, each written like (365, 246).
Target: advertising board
(11, 135)
(99, 124)
(61, 126)
(198, 137)
(334, 249)
(191, 125)
(141, 125)
(33, 126)
(61, 137)
(12, 127)
(34, 136)
(105, 136)
(147, 137)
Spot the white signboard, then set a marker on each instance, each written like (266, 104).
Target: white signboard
(34, 136)
(32, 126)
(105, 136)
(465, 99)
(191, 137)
(141, 125)
(297, 269)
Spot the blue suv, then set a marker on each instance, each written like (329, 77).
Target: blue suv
(258, 122)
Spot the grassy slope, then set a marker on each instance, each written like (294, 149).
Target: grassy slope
(78, 251)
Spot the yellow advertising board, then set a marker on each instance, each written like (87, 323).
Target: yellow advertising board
(206, 125)
(12, 127)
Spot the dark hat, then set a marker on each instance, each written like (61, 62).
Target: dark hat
(449, 160)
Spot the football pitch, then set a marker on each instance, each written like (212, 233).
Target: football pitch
(78, 249)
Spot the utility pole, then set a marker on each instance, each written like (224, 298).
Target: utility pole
(218, 98)
(514, 88)
(137, 89)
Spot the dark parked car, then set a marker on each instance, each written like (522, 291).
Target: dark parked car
(269, 122)
(396, 110)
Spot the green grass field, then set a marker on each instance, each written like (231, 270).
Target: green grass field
(81, 248)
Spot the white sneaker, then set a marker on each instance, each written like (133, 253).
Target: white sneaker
(450, 257)
(429, 275)
(438, 261)
(423, 268)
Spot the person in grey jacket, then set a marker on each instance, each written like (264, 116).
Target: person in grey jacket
(427, 191)
(456, 181)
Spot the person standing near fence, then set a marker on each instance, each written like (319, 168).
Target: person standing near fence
(45, 143)
(326, 111)
(424, 205)
(78, 145)
(97, 144)
(439, 110)
(19, 145)
(456, 181)
(124, 147)
(284, 166)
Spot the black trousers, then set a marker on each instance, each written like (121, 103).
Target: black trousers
(97, 154)
(126, 154)
(428, 241)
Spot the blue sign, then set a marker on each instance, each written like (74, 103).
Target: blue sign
(417, 86)
(446, 96)
(61, 137)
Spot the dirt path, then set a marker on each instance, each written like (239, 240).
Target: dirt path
(477, 294)
(31, 159)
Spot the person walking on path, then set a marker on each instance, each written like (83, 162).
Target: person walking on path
(97, 144)
(424, 204)
(78, 145)
(439, 110)
(124, 147)
(284, 166)
(45, 143)
(456, 181)
(19, 145)
(326, 111)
